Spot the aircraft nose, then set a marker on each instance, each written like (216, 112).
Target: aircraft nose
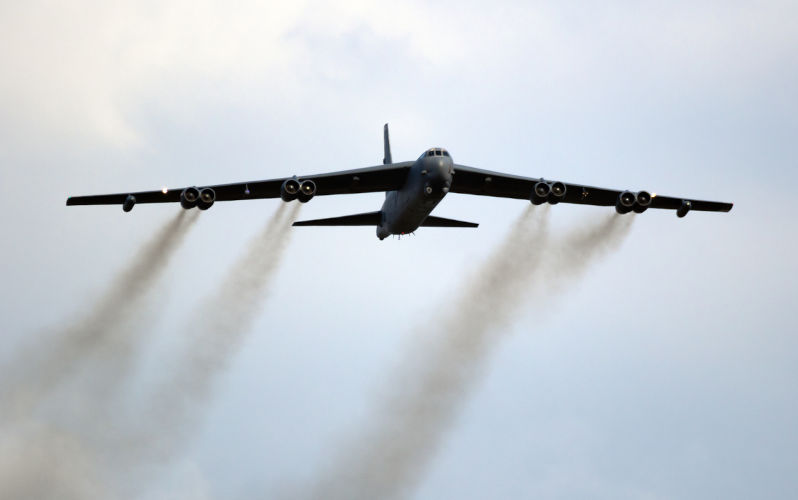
(439, 171)
(441, 166)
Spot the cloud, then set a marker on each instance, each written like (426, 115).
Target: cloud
(85, 76)
(80, 75)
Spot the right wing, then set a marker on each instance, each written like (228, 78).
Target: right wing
(470, 180)
(363, 180)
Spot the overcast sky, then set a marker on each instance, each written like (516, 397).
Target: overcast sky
(667, 371)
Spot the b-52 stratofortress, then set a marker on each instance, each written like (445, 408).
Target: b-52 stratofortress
(412, 190)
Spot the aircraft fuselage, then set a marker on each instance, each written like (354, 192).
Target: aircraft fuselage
(428, 181)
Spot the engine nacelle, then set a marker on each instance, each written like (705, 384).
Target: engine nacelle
(682, 211)
(206, 198)
(557, 192)
(189, 197)
(127, 206)
(540, 193)
(289, 190)
(625, 203)
(307, 189)
(642, 201)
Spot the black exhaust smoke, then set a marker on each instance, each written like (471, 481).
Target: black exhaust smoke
(213, 334)
(389, 458)
(107, 321)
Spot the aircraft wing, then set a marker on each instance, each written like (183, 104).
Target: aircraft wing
(364, 180)
(470, 180)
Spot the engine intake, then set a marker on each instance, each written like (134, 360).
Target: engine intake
(189, 197)
(626, 201)
(682, 211)
(540, 192)
(307, 189)
(206, 198)
(557, 192)
(289, 190)
(642, 201)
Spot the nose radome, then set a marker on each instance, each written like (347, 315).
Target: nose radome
(445, 174)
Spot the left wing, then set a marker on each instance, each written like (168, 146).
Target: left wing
(470, 180)
(363, 180)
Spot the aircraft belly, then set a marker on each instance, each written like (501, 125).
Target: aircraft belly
(406, 209)
(413, 212)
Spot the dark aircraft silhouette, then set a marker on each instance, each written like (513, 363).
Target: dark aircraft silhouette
(412, 190)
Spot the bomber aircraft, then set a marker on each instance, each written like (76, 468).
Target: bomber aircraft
(412, 190)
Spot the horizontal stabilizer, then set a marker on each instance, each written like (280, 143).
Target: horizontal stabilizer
(367, 219)
(433, 221)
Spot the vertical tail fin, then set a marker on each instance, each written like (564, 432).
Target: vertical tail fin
(387, 159)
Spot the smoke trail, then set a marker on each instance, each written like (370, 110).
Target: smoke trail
(41, 370)
(217, 329)
(42, 462)
(581, 247)
(104, 452)
(104, 449)
(389, 459)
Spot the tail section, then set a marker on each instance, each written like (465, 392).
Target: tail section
(387, 160)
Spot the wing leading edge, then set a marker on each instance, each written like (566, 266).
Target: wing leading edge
(470, 180)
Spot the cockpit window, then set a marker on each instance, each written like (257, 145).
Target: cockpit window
(434, 152)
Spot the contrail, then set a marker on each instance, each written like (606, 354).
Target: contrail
(217, 329)
(389, 459)
(106, 321)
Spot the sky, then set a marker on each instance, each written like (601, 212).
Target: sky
(665, 369)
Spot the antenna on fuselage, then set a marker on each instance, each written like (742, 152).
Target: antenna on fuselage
(387, 141)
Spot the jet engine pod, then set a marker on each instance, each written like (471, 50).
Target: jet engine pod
(557, 192)
(540, 192)
(289, 190)
(189, 197)
(206, 198)
(682, 211)
(626, 201)
(127, 206)
(307, 189)
(643, 198)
